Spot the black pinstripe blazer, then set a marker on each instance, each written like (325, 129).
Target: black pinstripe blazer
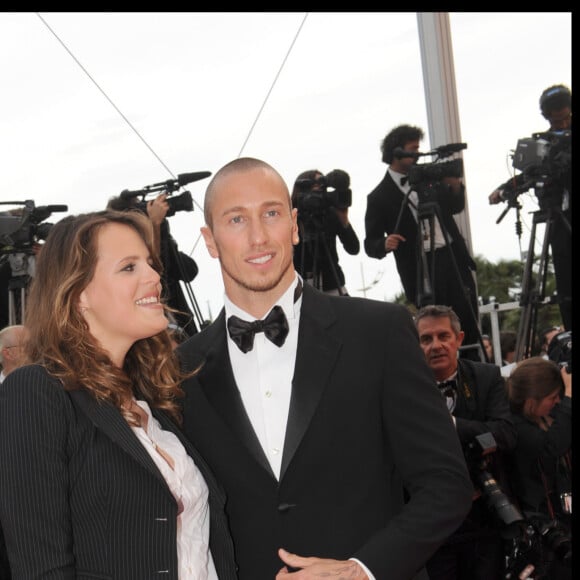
(80, 497)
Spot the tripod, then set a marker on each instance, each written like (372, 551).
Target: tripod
(196, 312)
(533, 292)
(22, 266)
(315, 251)
(427, 288)
(17, 287)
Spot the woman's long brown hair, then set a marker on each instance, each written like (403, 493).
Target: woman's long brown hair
(59, 337)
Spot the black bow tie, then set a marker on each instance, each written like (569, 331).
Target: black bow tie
(404, 179)
(448, 388)
(274, 326)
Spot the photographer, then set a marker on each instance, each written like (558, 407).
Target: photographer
(322, 217)
(176, 265)
(540, 394)
(21, 238)
(393, 209)
(477, 401)
(552, 179)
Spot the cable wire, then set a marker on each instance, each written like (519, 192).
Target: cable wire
(273, 84)
(106, 96)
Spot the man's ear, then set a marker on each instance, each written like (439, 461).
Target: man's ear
(460, 337)
(295, 229)
(209, 242)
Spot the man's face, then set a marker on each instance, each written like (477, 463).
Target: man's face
(560, 120)
(252, 234)
(440, 345)
(403, 165)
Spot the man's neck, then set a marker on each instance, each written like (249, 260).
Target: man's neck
(445, 376)
(259, 302)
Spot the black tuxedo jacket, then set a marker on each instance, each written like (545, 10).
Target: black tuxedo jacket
(365, 421)
(483, 405)
(80, 497)
(384, 204)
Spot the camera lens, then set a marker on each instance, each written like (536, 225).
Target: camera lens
(183, 202)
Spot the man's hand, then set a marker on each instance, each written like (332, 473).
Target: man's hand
(495, 196)
(454, 183)
(315, 568)
(392, 242)
(567, 378)
(342, 215)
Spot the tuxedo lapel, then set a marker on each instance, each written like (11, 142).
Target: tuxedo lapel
(217, 381)
(109, 420)
(317, 353)
(168, 425)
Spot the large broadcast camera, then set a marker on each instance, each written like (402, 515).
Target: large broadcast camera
(545, 162)
(22, 228)
(425, 178)
(436, 170)
(316, 196)
(182, 202)
(544, 154)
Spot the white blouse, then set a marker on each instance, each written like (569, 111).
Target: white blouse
(190, 491)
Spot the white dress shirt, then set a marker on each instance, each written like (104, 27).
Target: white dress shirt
(264, 377)
(190, 491)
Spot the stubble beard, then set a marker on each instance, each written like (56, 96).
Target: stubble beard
(260, 285)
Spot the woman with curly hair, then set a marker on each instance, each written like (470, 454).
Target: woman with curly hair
(96, 480)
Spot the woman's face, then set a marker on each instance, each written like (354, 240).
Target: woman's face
(121, 304)
(543, 407)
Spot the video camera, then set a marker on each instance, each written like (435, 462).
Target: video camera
(315, 196)
(560, 349)
(182, 202)
(20, 229)
(544, 154)
(545, 160)
(425, 178)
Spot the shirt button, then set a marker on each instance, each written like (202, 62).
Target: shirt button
(275, 450)
(268, 394)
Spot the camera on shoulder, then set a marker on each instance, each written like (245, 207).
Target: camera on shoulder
(316, 196)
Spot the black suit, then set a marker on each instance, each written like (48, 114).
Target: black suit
(475, 550)
(365, 416)
(80, 497)
(384, 204)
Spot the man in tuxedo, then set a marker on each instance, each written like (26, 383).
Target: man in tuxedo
(394, 223)
(477, 400)
(318, 413)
